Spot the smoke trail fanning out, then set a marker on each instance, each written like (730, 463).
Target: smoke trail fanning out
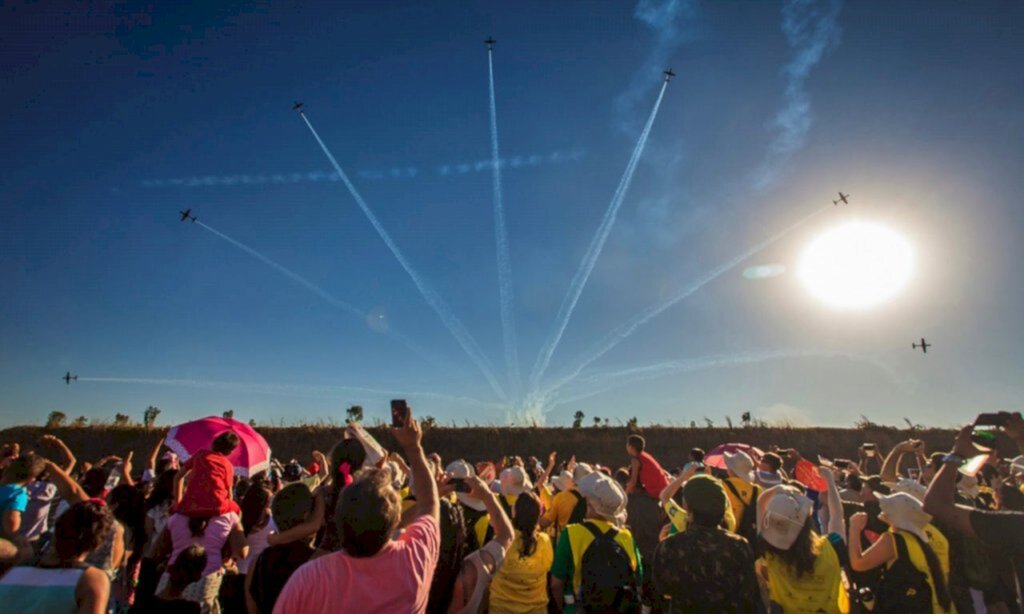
(594, 251)
(508, 321)
(811, 30)
(296, 390)
(621, 332)
(601, 382)
(462, 336)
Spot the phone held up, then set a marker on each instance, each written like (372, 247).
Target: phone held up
(461, 485)
(399, 413)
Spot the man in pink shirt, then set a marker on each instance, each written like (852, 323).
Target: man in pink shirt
(374, 573)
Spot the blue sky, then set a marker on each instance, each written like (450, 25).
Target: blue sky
(117, 117)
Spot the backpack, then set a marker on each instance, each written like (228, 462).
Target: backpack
(606, 572)
(470, 518)
(904, 588)
(453, 549)
(579, 512)
(746, 525)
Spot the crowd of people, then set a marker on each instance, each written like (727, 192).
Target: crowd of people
(364, 530)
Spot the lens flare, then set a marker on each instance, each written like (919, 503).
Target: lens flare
(857, 265)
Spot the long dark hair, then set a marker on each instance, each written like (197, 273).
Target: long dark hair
(163, 490)
(527, 513)
(802, 554)
(254, 508)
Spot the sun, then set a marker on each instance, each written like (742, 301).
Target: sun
(857, 265)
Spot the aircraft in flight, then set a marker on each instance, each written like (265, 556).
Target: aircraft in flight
(68, 378)
(668, 74)
(490, 42)
(187, 215)
(298, 106)
(924, 345)
(842, 199)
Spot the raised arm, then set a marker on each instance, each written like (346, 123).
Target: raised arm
(940, 499)
(424, 488)
(69, 459)
(321, 460)
(68, 488)
(306, 528)
(836, 521)
(891, 466)
(673, 487)
(499, 520)
(154, 455)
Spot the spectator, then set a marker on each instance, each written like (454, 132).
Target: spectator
(474, 511)
(271, 569)
(20, 472)
(644, 470)
(741, 491)
(373, 572)
(210, 480)
(478, 569)
(705, 568)
(62, 581)
(186, 570)
(769, 471)
(520, 586)
(568, 506)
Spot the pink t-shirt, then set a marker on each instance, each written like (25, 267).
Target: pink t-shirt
(217, 531)
(396, 579)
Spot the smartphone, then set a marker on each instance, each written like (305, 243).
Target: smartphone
(399, 413)
(461, 485)
(997, 419)
(870, 450)
(913, 473)
(842, 464)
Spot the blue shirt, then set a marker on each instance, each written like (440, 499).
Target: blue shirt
(13, 497)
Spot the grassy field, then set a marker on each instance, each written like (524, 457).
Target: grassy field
(605, 445)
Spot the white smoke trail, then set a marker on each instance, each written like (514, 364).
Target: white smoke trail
(505, 292)
(328, 392)
(600, 382)
(621, 332)
(811, 31)
(579, 280)
(462, 336)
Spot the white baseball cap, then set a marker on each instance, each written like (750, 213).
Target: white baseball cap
(462, 470)
(604, 495)
(782, 513)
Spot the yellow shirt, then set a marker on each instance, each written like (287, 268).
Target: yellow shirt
(561, 509)
(520, 586)
(940, 545)
(745, 490)
(820, 591)
(580, 539)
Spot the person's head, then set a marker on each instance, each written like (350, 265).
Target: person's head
(187, 568)
(24, 469)
(905, 513)
(461, 470)
(169, 460)
(563, 481)
(740, 465)
(255, 508)
(580, 471)
(367, 513)
(80, 530)
(770, 462)
(163, 489)
(94, 482)
(514, 481)
(872, 488)
(605, 498)
(622, 476)
(785, 524)
(225, 443)
(347, 457)
(525, 515)
(697, 455)
(635, 444)
(704, 499)
(292, 472)
(291, 506)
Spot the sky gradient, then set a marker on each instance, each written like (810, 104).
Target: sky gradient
(116, 118)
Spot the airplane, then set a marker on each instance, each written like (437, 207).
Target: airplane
(68, 378)
(668, 74)
(187, 215)
(490, 42)
(842, 199)
(298, 106)
(924, 345)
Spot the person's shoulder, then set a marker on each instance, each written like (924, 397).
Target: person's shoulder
(424, 528)
(93, 577)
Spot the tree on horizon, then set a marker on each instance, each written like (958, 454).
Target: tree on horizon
(55, 419)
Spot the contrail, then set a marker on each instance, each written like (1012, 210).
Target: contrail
(601, 382)
(327, 296)
(621, 332)
(332, 392)
(593, 251)
(505, 291)
(462, 336)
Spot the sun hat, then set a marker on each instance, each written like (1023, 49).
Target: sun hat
(461, 470)
(580, 471)
(515, 482)
(604, 496)
(563, 481)
(704, 495)
(741, 465)
(782, 512)
(968, 486)
(905, 513)
(877, 486)
(292, 472)
(913, 488)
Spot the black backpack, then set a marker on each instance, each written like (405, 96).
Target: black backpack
(746, 525)
(579, 512)
(608, 583)
(904, 588)
(470, 518)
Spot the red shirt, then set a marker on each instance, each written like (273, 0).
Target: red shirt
(209, 486)
(652, 476)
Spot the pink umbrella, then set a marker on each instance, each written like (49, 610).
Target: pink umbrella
(250, 457)
(716, 457)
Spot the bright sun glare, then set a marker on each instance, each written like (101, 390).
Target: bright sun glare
(857, 265)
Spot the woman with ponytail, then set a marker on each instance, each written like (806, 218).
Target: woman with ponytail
(520, 585)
